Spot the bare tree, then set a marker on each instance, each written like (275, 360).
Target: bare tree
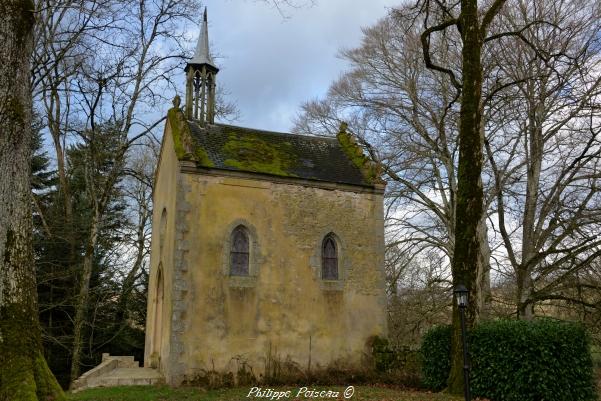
(64, 42)
(125, 84)
(100, 66)
(534, 61)
(479, 28)
(138, 191)
(282, 5)
(101, 70)
(418, 295)
(406, 117)
(543, 149)
(126, 261)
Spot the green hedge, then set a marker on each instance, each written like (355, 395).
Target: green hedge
(436, 357)
(541, 360)
(520, 361)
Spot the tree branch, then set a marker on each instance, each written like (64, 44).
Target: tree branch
(425, 39)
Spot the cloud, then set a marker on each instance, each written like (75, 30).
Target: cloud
(270, 65)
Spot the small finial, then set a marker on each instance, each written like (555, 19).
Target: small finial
(176, 101)
(343, 127)
(205, 15)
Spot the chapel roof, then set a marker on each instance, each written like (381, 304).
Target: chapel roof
(334, 160)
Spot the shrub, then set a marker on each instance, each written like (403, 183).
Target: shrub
(529, 361)
(383, 354)
(436, 355)
(394, 364)
(515, 360)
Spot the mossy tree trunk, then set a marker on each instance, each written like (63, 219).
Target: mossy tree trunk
(469, 184)
(470, 194)
(24, 374)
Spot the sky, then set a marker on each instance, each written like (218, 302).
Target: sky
(270, 65)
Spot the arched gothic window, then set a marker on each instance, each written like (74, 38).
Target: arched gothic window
(158, 311)
(239, 252)
(329, 259)
(162, 229)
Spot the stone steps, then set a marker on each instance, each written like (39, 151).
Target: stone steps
(127, 377)
(117, 371)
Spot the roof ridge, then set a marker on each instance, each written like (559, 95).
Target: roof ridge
(274, 132)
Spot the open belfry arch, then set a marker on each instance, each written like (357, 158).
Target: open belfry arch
(267, 251)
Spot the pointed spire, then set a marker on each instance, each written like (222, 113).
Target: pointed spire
(202, 54)
(201, 76)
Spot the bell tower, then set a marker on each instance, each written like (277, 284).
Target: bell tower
(200, 80)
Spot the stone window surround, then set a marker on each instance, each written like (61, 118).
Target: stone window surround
(329, 258)
(253, 257)
(317, 265)
(239, 251)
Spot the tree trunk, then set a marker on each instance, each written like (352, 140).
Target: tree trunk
(469, 184)
(24, 374)
(483, 293)
(535, 155)
(525, 307)
(82, 299)
(99, 201)
(53, 114)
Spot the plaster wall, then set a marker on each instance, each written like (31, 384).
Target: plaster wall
(283, 312)
(157, 353)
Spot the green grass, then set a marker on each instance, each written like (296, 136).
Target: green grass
(163, 393)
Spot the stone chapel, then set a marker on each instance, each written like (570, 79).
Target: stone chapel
(267, 248)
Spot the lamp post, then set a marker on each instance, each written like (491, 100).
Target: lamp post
(462, 295)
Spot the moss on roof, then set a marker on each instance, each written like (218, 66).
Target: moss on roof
(371, 170)
(183, 142)
(226, 147)
(252, 153)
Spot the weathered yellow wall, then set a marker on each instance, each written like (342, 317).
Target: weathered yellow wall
(164, 197)
(286, 311)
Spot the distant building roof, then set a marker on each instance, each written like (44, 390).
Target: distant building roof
(234, 148)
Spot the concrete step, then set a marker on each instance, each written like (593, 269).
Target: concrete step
(127, 377)
(117, 371)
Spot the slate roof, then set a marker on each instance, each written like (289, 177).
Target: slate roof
(234, 148)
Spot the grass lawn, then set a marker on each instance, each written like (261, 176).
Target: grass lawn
(163, 393)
